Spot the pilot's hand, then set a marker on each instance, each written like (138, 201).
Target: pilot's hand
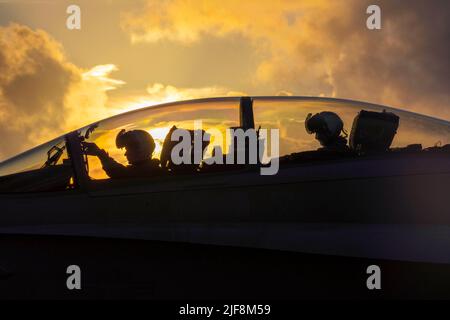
(91, 149)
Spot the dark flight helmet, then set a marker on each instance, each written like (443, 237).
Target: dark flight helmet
(326, 125)
(139, 141)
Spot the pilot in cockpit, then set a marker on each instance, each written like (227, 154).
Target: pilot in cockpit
(139, 146)
(329, 130)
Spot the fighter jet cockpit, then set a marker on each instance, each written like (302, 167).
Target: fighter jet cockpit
(44, 168)
(319, 129)
(138, 144)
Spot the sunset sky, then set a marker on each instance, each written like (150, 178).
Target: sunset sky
(130, 54)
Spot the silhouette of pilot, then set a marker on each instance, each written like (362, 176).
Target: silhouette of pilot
(139, 146)
(329, 130)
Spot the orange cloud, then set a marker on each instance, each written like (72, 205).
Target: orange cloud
(157, 93)
(42, 94)
(321, 48)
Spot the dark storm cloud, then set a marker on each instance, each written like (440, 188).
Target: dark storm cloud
(322, 47)
(405, 64)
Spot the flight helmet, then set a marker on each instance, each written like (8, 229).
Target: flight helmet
(326, 125)
(138, 143)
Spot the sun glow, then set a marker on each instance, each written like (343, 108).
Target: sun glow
(159, 134)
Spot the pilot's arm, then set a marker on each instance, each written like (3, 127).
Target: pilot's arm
(112, 168)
